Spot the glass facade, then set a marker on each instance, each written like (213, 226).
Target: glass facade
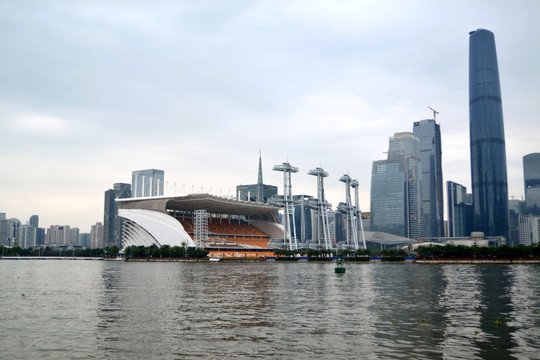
(531, 175)
(256, 192)
(145, 183)
(250, 192)
(396, 189)
(303, 218)
(112, 223)
(459, 210)
(487, 142)
(429, 134)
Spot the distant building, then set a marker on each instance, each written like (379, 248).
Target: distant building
(487, 141)
(112, 223)
(258, 192)
(12, 231)
(460, 210)
(4, 232)
(84, 239)
(27, 236)
(40, 237)
(34, 221)
(396, 189)
(529, 229)
(428, 133)
(96, 236)
(145, 183)
(303, 218)
(531, 175)
(514, 211)
(62, 235)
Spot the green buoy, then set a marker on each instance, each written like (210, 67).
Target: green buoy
(340, 268)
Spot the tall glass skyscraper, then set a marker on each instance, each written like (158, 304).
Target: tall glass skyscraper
(429, 134)
(396, 189)
(488, 150)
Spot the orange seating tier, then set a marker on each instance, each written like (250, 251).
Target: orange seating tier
(222, 229)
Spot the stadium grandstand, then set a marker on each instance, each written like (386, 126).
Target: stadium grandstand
(227, 228)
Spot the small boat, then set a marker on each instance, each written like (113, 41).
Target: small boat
(213, 259)
(340, 268)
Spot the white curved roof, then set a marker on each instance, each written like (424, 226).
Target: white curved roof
(149, 227)
(213, 204)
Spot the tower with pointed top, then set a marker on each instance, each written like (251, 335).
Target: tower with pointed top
(258, 192)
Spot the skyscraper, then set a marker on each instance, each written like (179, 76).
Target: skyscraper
(459, 210)
(396, 189)
(488, 149)
(148, 182)
(429, 134)
(531, 174)
(112, 223)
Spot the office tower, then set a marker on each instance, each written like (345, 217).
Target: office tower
(303, 218)
(112, 223)
(531, 175)
(40, 236)
(396, 188)
(459, 210)
(84, 239)
(429, 134)
(145, 183)
(488, 151)
(256, 192)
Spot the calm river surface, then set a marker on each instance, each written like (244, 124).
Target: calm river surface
(75, 309)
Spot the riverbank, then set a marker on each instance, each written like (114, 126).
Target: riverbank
(50, 258)
(477, 261)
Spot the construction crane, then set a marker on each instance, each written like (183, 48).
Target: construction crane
(435, 112)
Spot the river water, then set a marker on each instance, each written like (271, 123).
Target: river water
(74, 309)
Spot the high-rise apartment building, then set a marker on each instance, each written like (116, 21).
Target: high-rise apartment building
(145, 183)
(112, 223)
(487, 141)
(531, 175)
(96, 236)
(428, 133)
(26, 237)
(396, 189)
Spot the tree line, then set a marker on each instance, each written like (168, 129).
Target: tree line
(478, 252)
(54, 251)
(164, 251)
(111, 251)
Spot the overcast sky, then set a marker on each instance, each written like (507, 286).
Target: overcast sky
(92, 90)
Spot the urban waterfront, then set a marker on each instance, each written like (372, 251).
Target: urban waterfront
(113, 309)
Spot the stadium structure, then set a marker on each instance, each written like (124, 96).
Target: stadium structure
(227, 228)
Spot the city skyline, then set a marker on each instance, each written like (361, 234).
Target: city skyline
(197, 91)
